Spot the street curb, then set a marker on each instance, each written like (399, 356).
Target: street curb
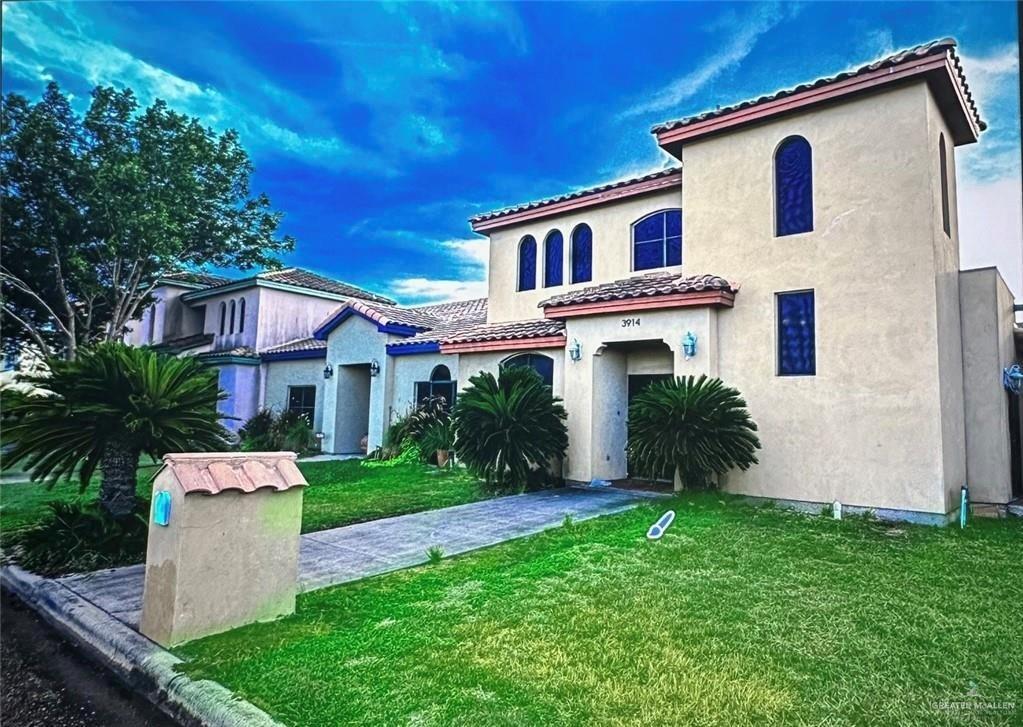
(141, 664)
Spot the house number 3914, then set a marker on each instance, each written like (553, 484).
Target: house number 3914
(630, 322)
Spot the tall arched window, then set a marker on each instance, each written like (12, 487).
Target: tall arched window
(543, 365)
(241, 316)
(223, 316)
(553, 259)
(582, 254)
(793, 187)
(231, 326)
(943, 164)
(527, 263)
(657, 240)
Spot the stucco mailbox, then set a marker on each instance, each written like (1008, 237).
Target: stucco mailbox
(223, 543)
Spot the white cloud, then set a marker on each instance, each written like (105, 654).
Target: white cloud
(991, 228)
(731, 53)
(422, 290)
(472, 260)
(53, 36)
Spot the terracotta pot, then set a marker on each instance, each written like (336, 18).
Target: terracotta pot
(442, 457)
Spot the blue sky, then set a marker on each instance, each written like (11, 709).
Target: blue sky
(378, 129)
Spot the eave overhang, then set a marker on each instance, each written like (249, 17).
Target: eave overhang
(938, 70)
(508, 344)
(708, 298)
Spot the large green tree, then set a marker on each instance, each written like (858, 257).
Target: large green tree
(98, 207)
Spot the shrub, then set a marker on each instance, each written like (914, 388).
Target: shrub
(508, 428)
(697, 427)
(284, 432)
(78, 537)
(105, 408)
(426, 420)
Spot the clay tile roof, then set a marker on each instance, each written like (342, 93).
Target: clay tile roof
(426, 323)
(299, 344)
(205, 280)
(573, 195)
(308, 279)
(209, 473)
(640, 286)
(184, 343)
(935, 47)
(512, 330)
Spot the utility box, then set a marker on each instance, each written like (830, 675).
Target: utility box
(223, 543)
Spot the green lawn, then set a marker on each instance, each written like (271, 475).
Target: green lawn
(737, 616)
(340, 493)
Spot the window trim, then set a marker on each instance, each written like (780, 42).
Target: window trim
(774, 179)
(664, 240)
(561, 259)
(312, 413)
(778, 332)
(518, 266)
(571, 254)
(946, 216)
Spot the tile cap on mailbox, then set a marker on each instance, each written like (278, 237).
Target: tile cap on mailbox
(210, 473)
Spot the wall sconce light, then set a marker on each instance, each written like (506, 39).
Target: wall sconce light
(575, 350)
(374, 367)
(328, 371)
(689, 345)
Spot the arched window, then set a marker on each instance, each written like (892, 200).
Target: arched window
(439, 385)
(241, 316)
(582, 254)
(943, 164)
(543, 365)
(152, 323)
(553, 260)
(527, 263)
(231, 327)
(657, 240)
(793, 187)
(223, 316)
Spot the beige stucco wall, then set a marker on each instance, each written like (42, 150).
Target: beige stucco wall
(355, 403)
(596, 387)
(279, 375)
(285, 316)
(253, 319)
(203, 577)
(407, 370)
(612, 252)
(867, 429)
(987, 315)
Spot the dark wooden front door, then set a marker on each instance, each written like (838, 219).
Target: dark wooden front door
(637, 383)
(1015, 465)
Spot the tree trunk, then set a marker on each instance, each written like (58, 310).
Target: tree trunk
(120, 469)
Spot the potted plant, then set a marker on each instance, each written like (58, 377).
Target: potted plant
(439, 437)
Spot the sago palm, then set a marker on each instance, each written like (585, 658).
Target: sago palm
(697, 427)
(508, 426)
(107, 407)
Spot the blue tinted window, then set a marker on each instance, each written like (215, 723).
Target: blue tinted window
(796, 343)
(793, 184)
(553, 264)
(527, 263)
(582, 254)
(543, 365)
(657, 240)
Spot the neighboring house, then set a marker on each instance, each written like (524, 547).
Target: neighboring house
(806, 251)
(229, 322)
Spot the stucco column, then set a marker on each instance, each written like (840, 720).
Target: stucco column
(609, 405)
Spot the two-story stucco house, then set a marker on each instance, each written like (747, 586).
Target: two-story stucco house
(804, 248)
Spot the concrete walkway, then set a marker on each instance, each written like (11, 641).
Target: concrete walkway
(341, 555)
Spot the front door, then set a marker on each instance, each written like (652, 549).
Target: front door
(637, 383)
(1015, 465)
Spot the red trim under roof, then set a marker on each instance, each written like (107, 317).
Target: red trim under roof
(715, 298)
(601, 195)
(505, 345)
(937, 68)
